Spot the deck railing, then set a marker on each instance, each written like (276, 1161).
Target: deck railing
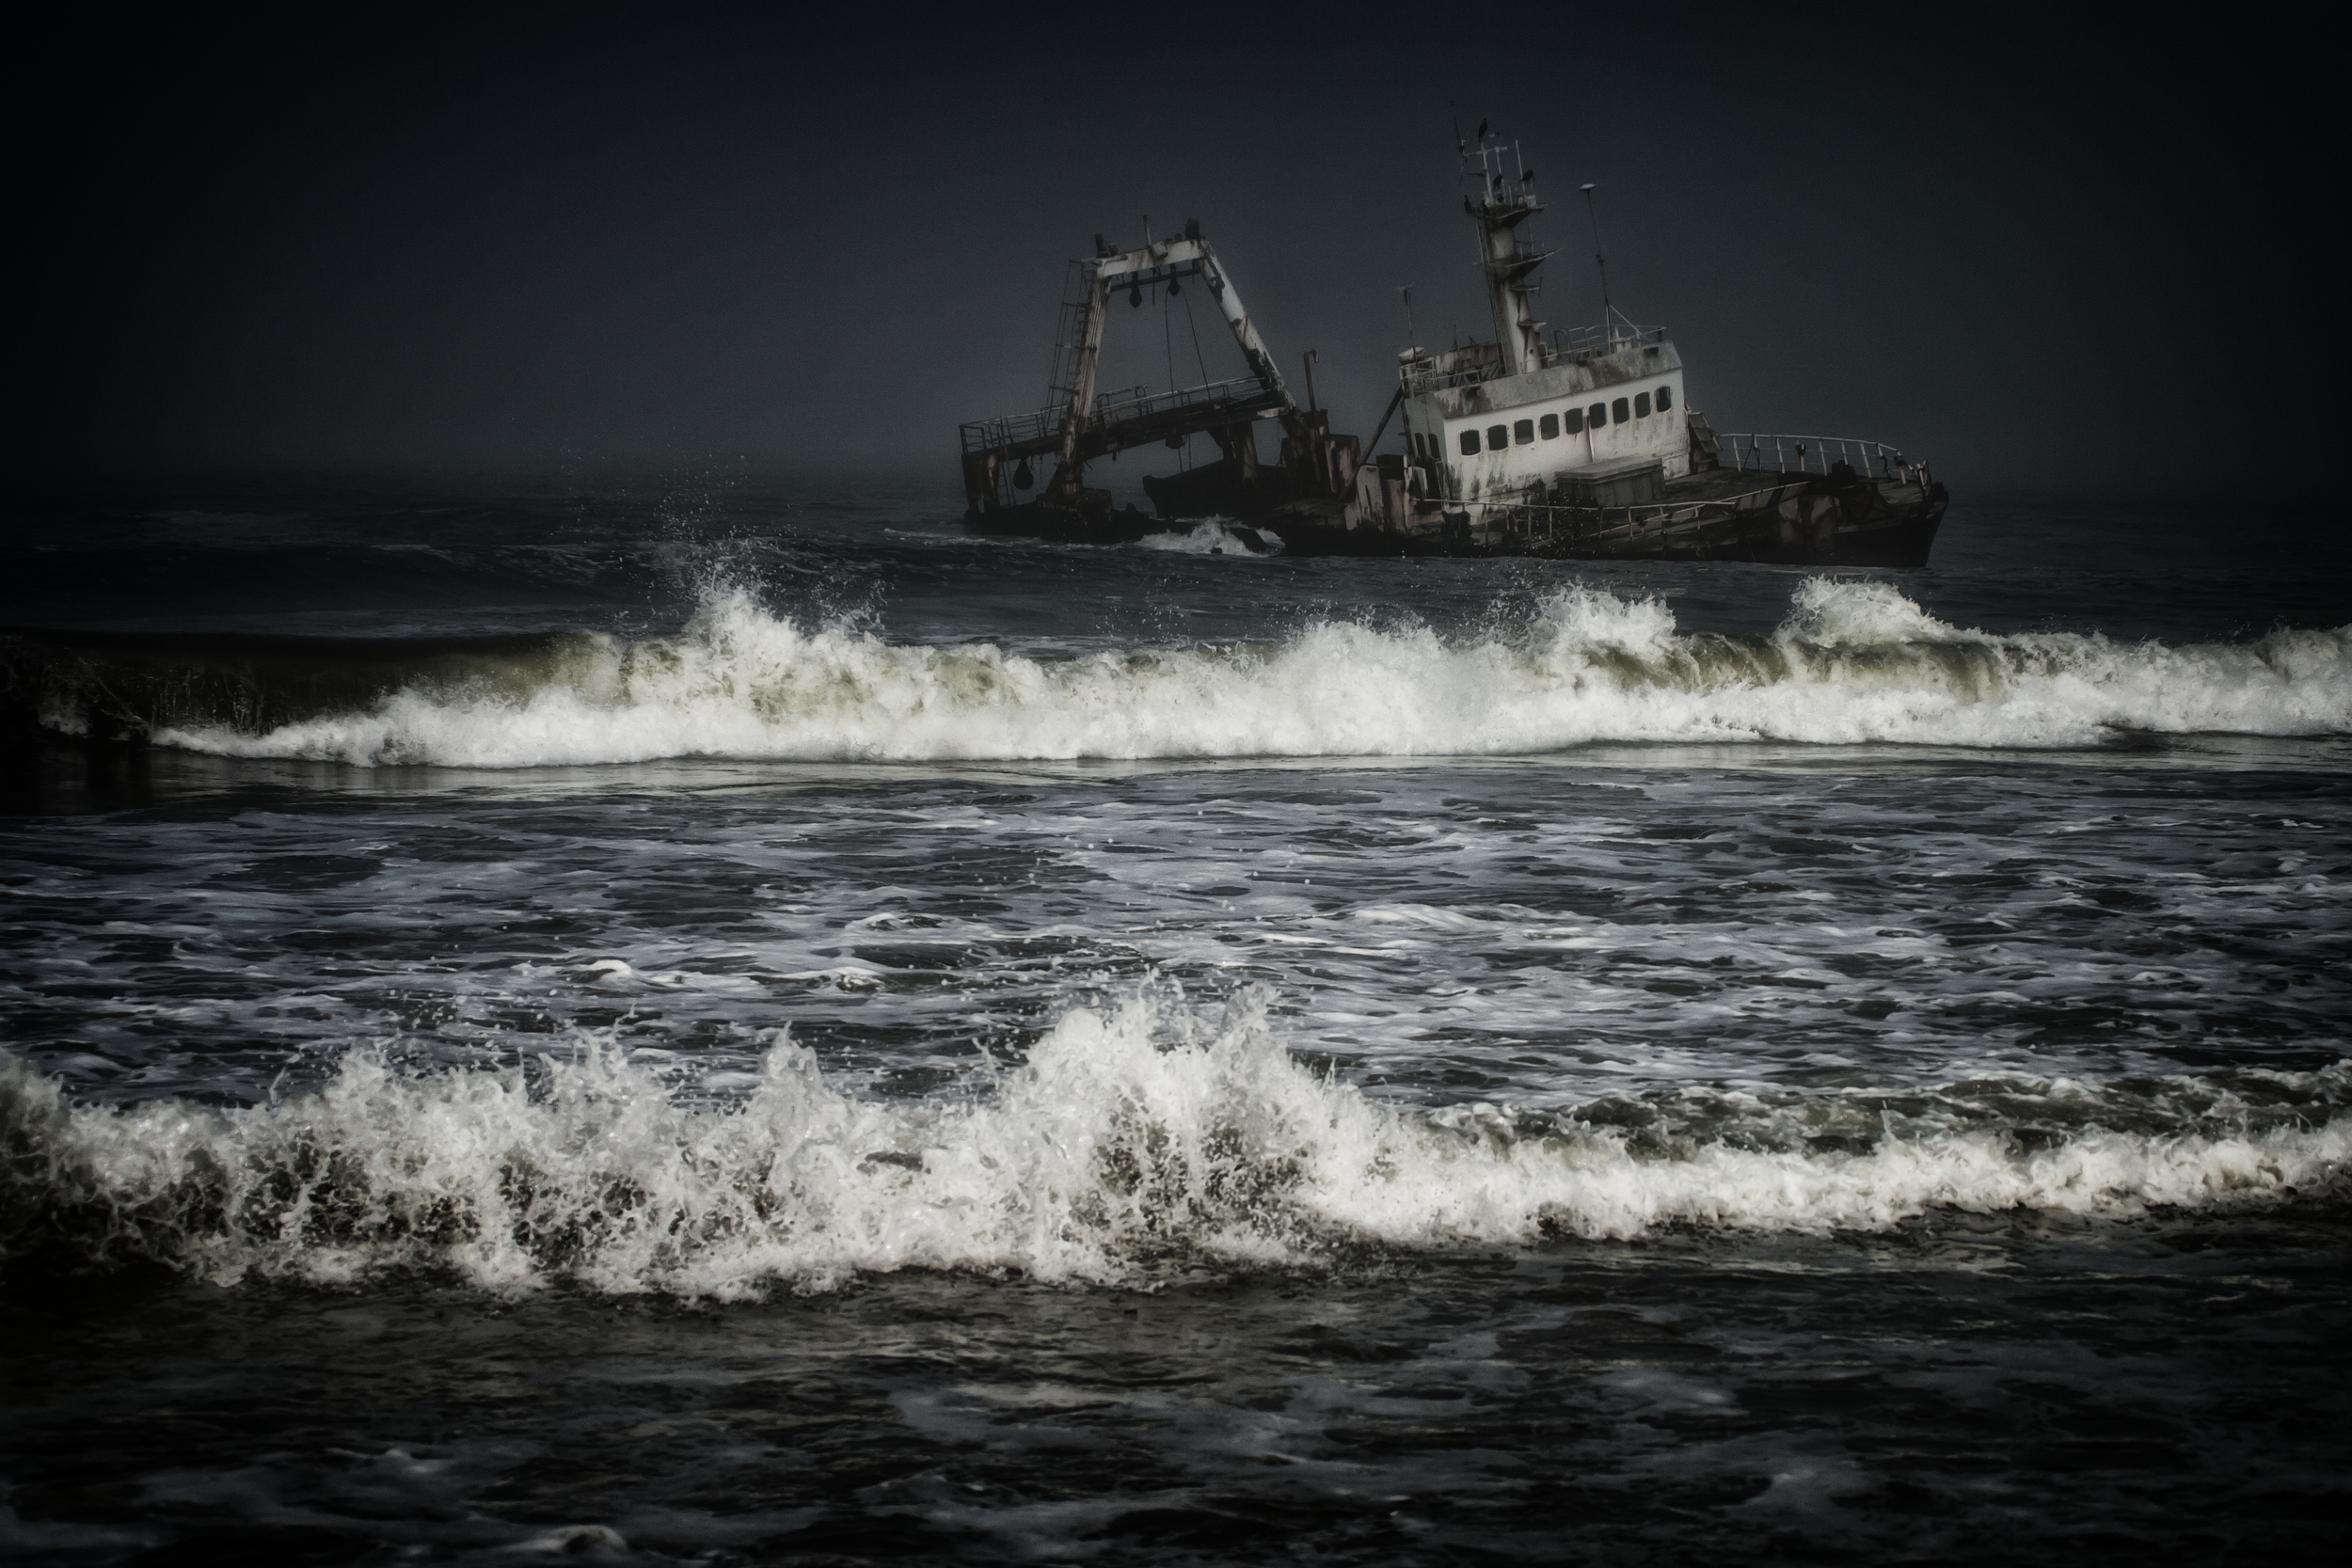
(1576, 344)
(1536, 518)
(1815, 454)
(1424, 377)
(1141, 403)
(1583, 523)
(1568, 346)
(1111, 409)
(1012, 430)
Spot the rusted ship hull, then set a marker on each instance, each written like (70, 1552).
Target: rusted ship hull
(1840, 520)
(1824, 528)
(1900, 543)
(1714, 512)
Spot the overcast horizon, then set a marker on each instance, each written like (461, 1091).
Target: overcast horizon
(623, 240)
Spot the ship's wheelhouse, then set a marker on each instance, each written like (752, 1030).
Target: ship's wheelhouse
(1496, 435)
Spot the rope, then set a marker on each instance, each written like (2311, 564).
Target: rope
(1168, 343)
(1196, 340)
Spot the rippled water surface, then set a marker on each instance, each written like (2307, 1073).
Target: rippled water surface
(736, 1023)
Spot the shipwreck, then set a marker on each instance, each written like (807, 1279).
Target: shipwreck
(1575, 443)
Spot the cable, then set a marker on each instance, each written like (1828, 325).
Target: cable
(1168, 343)
(1196, 340)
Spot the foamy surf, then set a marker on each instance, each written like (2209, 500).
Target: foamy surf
(1137, 1142)
(1214, 536)
(1854, 663)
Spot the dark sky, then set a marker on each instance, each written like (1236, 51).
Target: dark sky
(563, 238)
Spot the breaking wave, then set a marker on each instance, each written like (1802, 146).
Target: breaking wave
(1853, 662)
(1137, 1143)
(1214, 536)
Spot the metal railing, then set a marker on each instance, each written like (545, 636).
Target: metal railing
(1586, 524)
(1419, 382)
(1111, 409)
(1816, 454)
(1536, 518)
(1480, 367)
(1577, 344)
(1140, 403)
(1013, 430)
(1567, 346)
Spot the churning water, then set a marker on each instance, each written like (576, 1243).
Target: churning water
(748, 1026)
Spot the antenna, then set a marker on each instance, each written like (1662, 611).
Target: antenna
(1407, 294)
(1608, 331)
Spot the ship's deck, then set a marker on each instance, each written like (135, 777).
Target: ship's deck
(1722, 483)
(1125, 422)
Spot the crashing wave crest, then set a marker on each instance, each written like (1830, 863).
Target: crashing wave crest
(1136, 1141)
(1854, 663)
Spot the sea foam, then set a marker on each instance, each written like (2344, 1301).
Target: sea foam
(1855, 662)
(1138, 1142)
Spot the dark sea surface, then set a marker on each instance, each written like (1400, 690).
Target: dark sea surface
(726, 1022)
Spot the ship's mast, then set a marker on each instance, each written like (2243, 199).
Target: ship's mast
(1504, 199)
(1608, 313)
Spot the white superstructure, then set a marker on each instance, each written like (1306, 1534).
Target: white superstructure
(1533, 412)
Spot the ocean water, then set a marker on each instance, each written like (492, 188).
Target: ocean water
(723, 1021)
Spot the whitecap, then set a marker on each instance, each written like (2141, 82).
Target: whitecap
(1856, 662)
(1138, 1142)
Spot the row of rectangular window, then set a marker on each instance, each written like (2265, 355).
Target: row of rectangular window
(1575, 421)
